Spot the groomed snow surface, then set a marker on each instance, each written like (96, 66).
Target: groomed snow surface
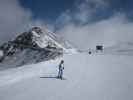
(87, 77)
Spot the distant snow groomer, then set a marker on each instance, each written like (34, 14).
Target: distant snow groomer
(61, 68)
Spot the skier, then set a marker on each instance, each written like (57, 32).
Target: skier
(61, 68)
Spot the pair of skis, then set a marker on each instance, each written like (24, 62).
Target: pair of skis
(62, 78)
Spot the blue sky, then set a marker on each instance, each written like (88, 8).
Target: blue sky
(50, 10)
(47, 9)
(82, 22)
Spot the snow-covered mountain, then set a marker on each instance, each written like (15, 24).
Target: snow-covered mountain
(33, 46)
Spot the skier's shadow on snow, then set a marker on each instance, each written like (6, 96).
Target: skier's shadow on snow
(51, 77)
(48, 77)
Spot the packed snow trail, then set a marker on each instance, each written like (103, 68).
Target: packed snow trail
(88, 77)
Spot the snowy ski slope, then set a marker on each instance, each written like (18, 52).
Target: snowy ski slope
(88, 77)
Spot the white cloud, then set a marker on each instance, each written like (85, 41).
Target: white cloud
(115, 29)
(13, 19)
(16, 19)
